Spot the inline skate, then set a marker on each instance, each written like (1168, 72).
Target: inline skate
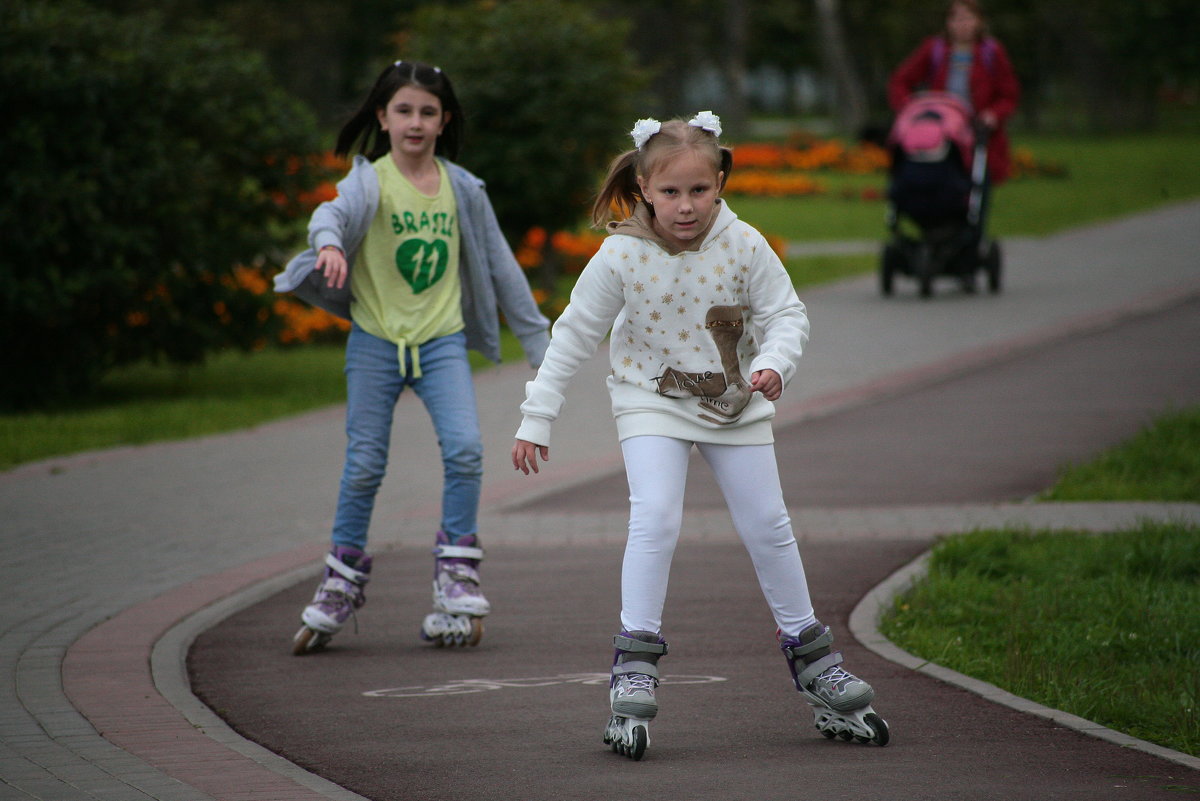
(339, 594)
(458, 603)
(631, 691)
(840, 700)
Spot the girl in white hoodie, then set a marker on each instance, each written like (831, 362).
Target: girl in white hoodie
(706, 330)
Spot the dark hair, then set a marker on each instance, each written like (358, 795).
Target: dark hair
(362, 132)
(620, 191)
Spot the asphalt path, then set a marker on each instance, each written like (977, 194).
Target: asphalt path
(520, 716)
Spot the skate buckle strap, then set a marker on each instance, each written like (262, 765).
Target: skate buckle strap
(817, 667)
(644, 668)
(631, 645)
(457, 552)
(340, 567)
(794, 648)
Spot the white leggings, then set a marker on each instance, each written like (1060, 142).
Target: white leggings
(749, 479)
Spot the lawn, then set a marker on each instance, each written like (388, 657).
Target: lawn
(1106, 626)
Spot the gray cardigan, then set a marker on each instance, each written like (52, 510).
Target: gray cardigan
(489, 273)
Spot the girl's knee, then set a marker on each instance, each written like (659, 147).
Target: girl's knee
(656, 524)
(364, 470)
(463, 457)
(773, 530)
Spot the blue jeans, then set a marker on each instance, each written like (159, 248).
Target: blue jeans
(373, 386)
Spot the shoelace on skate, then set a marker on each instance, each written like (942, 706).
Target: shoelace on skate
(639, 681)
(835, 677)
(330, 599)
(466, 578)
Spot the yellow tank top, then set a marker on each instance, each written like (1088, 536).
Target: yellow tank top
(405, 282)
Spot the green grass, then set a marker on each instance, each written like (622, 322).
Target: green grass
(814, 270)
(1161, 463)
(147, 403)
(1107, 177)
(1107, 626)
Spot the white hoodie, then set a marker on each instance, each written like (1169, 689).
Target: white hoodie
(688, 331)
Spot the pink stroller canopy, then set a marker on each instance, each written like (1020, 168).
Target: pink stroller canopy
(929, 124)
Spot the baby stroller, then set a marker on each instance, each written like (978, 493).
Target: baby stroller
(938, 184)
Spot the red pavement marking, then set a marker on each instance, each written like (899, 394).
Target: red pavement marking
(107, 676)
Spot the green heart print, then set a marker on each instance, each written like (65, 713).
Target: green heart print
(422, 264)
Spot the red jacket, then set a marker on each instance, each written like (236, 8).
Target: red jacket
(993, 86)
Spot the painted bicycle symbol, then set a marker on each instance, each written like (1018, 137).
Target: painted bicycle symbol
(466, 686)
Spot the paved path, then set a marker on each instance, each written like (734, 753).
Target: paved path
(116, 560)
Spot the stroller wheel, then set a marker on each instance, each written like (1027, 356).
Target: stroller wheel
(889, 265)
(923, 270)
(992, 266)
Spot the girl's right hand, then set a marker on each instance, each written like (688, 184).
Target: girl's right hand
(525, 454)
(332, 262)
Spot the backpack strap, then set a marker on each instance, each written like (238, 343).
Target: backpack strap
(988, 50)
(937, 55)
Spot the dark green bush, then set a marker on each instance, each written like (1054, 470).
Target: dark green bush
(142, 168)
(549, 89)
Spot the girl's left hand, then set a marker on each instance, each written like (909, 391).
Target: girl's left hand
(525, 455)
(768, 382)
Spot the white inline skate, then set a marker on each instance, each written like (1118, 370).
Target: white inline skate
(840, 700)
(631, 691)
(339, 594)
(458, 603)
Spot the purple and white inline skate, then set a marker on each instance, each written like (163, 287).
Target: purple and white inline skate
(840, 700)
(459, 605)
(631, 691)
(339, 594)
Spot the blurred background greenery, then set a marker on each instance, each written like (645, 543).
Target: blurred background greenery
(163, 156)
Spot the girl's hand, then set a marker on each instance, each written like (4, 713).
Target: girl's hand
(524, 456)
(333, 262)
(768, 382)
(988, 118)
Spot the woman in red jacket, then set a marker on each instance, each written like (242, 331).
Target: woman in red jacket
(965, 61)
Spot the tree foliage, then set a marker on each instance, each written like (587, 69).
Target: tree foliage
(142, 168)
(320, 51)
(549, 91)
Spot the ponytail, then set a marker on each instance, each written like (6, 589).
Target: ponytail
(620, 192)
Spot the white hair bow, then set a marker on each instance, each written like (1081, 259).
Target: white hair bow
(643, 130)
(707, 121)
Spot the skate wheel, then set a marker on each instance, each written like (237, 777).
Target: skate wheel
(305, 640)
(638, 748)
(879, 727)
(827, 733)
(476, 631)
(846, 735)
